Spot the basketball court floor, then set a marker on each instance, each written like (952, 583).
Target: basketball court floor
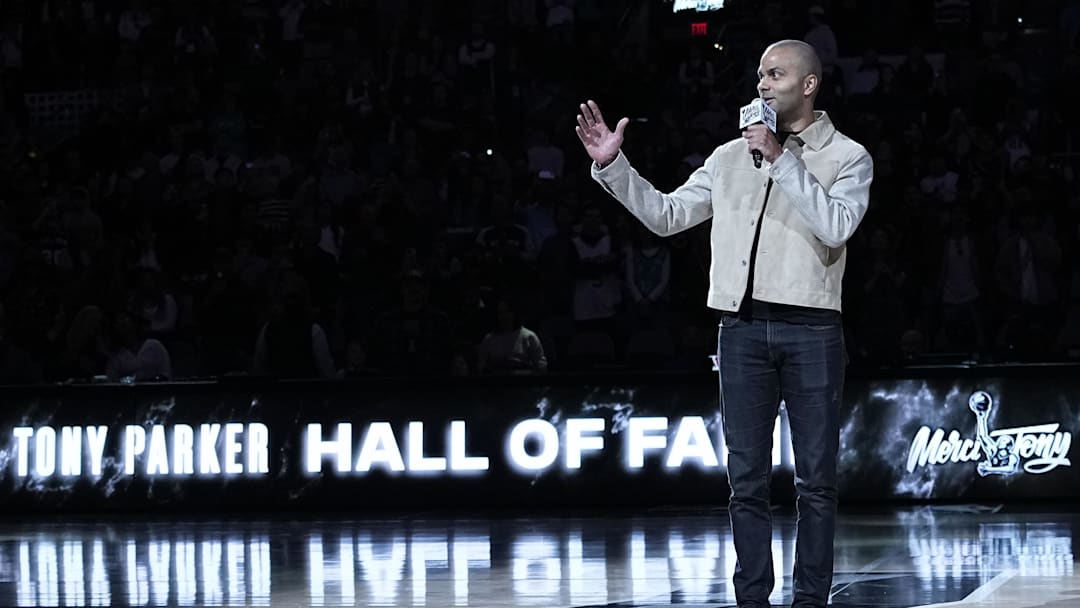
(957, 556)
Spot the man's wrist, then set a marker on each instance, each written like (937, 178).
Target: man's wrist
(781, 164)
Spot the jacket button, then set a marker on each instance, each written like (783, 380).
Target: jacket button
(733, 302)
(752, 222)
(744, 262)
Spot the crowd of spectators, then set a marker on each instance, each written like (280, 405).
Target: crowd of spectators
(345, 188)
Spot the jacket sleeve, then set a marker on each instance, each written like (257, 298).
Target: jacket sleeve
(665, 214)
(833, 214)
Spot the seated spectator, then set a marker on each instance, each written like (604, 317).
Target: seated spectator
(596, 286)
(535, 208)
(290, 344)
(133, 20)
(940, 183)
(130, 356)
(477, 56)
(648, 270)
(356, 361)
(821, 36)
(959, 285)
(16, 366)
(556, 252)
(545, 156)
(1027, 267)
(154, 305)
(511, 347)
(714, 119)
(223, 308)
(85, 352)
(867, 75)
(413, 337)
(696, 77)
(507, 247)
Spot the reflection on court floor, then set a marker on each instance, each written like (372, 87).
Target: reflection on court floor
(909, 558)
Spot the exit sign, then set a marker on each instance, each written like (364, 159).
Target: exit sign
(699, 29)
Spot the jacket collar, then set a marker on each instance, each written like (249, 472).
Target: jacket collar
(818, 133)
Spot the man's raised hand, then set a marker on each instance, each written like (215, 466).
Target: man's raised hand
(601, 144)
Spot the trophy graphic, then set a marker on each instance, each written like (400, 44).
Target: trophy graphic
(1000, 454)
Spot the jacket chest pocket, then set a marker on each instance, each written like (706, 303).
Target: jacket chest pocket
(735, 189)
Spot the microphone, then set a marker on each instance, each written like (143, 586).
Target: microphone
(755, 112)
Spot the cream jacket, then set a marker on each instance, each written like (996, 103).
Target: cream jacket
(821, 192)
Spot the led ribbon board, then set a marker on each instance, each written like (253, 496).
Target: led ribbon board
(700, 6)
(626, 440)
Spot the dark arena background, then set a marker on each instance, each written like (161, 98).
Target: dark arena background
(295, 309)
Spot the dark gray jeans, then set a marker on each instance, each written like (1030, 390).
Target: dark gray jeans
(762, 362)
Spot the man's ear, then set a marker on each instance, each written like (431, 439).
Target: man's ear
(810, 85)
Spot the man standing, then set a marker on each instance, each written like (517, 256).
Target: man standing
(778, 257)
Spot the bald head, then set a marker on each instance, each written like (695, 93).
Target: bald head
(806, 58)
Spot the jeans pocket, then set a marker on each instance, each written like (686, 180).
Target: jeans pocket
(729, 321)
